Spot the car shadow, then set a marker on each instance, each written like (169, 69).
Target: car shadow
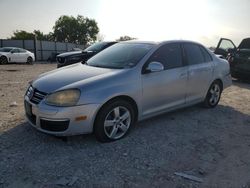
(242, 83)
(187, 139)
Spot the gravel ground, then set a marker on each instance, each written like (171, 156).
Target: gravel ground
(212, 144)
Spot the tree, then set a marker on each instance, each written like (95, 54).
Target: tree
(124, 38)
(39, 35)
(22, 35)
(50, 36)
(79, 30)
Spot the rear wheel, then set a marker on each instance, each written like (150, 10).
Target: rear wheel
(114, 121)
(29, 60)
(213, 95)
(3, 60)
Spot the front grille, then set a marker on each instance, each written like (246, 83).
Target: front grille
(57, 126)
(35, 95)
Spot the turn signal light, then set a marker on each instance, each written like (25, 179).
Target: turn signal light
(80, 118)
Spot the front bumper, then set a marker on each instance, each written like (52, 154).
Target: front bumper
(61, 121)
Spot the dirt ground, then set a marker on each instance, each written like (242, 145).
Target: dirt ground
(211, 144)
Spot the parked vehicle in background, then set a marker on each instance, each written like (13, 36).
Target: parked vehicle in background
(224, 46)
(16, 55)
(238, 57)
(69, 58)
(126, 82)
(52, 57)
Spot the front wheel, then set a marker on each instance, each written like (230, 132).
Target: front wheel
(3, 60)
(114, 121)
(213, 95)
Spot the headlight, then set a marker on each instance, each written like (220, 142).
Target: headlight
(63, 98)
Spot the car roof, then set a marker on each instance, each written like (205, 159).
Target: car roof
(8, 47)
(160, 42)
(13, 47)
(139, 42)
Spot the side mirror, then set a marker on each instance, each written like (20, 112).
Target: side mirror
(154, 67)
(12, 52)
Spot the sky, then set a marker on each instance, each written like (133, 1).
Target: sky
(204, 21)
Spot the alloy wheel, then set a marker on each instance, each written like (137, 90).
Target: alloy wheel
(117, 122)
(215, 92)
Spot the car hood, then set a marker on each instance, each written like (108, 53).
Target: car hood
(69, 77)
(4, 53)
(69, 53)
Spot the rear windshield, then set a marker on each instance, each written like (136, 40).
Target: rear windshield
(5, 49)
(245, 44)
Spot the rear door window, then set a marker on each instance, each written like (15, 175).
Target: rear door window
(22, 50)
(193, 54)
(16, 50)
(207, 56)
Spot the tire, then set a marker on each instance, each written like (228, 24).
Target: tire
(114, 120)
(213, 95)
(3, 60)
(29, 61)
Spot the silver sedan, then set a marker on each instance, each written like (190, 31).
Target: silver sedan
(126, 83)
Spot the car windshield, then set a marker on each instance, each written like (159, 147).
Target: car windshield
(5, 49)
(96, 47)
(245, 44)
(121, 55)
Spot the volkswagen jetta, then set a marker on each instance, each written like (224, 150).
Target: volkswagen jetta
(126, 82)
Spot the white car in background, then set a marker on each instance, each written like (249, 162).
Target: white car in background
(16, 55)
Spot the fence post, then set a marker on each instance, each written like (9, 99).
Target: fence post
(23, 45)
(35, 51)
(41, 49)
(55, 47)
